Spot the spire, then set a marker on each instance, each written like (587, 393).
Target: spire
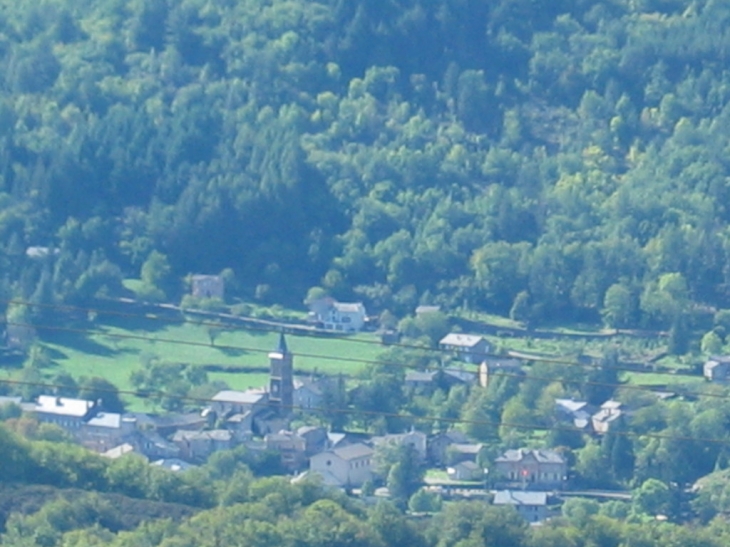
(281, 347)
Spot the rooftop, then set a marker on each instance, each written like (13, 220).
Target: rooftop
(725, 359)
(515, 497)
(570, 405)
(421, 375)
(466, 448)
(541, 456)
(118, 451)
(349, 307)
(353, 451)
(212, 435)
(461, 340)
(469, 465)
(453, 435)
(62, 406)
(248, 397)
(463, 376)
(205, 277)
(111, 420)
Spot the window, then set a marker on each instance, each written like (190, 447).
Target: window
(329, 462)
(346, 319)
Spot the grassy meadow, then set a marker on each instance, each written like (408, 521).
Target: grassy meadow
(115, 348)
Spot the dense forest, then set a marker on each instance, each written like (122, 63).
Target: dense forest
(559, 160)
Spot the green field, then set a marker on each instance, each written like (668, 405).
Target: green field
(114, 351)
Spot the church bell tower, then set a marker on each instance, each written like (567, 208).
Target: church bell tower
(281, 378)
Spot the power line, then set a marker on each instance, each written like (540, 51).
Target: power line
(226, 326)
(378, 413)
(354, 359)
(366, 361)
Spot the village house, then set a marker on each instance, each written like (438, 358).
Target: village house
(440, 442)
(469, 348)
(105, 430)
(426, 382)
(577, 413)
(463, 452)
(422, 381)
(168, 424)
(609, 414)
(531, 469)
(532, 506)
(309, 392)
(347, 467)
(315, 439)
(717, 369)
(465, 471)
(337, 316)
(70, 414)
(198, 445)
(207, 286)
(340, 439)
(230, 402)
(415, 439)
(291, 447)
(152, 445)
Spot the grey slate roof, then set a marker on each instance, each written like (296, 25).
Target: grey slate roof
(468, 465)
(425, 376)
(213, 435)
(542, 456)
(518, 497)
(353, 451)
(466, 448)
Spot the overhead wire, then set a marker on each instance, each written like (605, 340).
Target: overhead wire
(526, 356)
(386, 363)
(396, 415)
(294, 329)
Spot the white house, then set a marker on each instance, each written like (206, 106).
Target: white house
(609, 413)
(338, 316)
(717, 369)
(349, 466)
(65, 412)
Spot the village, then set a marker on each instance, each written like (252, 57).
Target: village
(283, 421)
(260, 420)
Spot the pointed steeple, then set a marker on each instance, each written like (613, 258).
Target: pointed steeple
(282, 347)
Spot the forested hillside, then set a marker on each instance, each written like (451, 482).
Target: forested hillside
(560, 159)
